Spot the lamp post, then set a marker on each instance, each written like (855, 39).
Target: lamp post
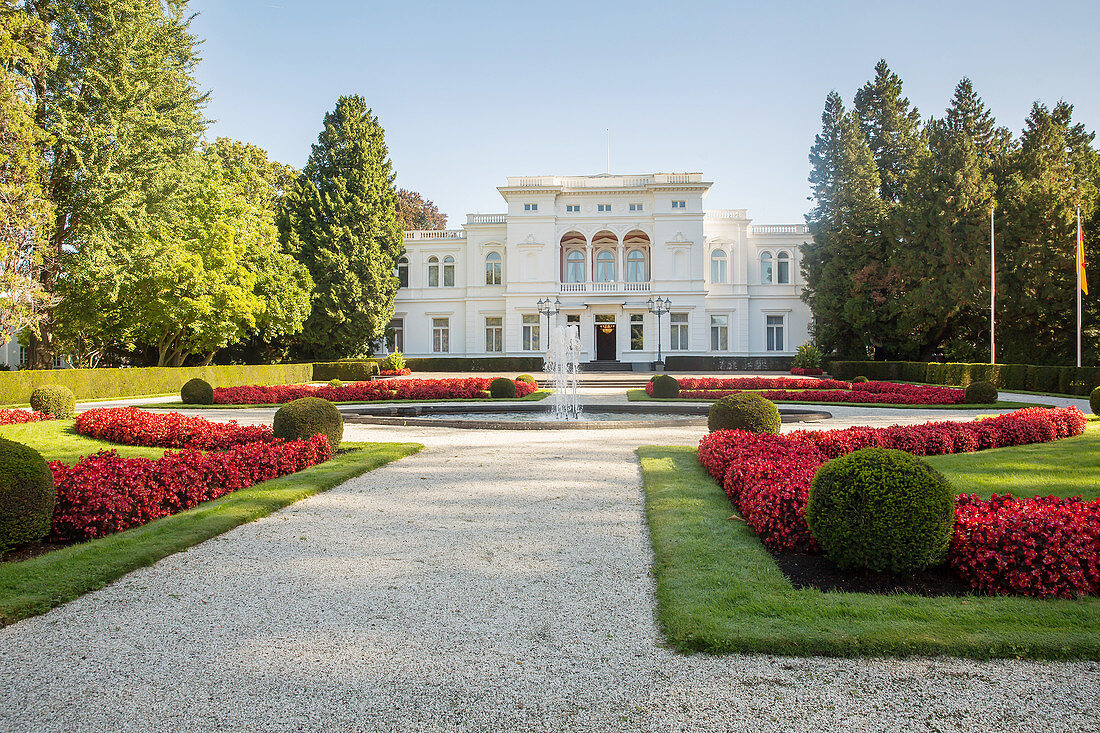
(549, 308)
(659, 307)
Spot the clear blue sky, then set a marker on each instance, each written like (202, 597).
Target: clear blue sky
(472, 92)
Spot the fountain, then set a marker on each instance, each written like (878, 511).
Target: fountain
(562, 364)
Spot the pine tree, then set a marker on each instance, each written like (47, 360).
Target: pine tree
(121, 110)
(893, 129)
(340, 220)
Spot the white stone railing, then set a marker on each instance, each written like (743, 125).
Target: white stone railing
(573, 287)
(678, 178)
(602, 181)
(486, 218)
(435, 234)
(779, 229)
(636, 287)
(611, 287)
(727, 214)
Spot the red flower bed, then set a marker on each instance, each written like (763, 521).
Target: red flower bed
(806, 371)
(1042, 547)
(390, 389)
(106, 493)
(404, 372)
(131, 426)
(16, 417)
(737, 384)
(819, 390)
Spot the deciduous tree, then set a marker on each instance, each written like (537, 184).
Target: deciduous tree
(416, 212)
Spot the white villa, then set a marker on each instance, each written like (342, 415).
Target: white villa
(603, 246)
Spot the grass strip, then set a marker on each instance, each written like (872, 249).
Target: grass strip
(639, 395)
(34, 586)
(720, 592)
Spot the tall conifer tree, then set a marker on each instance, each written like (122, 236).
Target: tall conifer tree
(893, 129)
(340, 221)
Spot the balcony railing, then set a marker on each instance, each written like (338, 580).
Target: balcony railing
(420, 234)
(779, 229)
(486, 218)
(605, 287)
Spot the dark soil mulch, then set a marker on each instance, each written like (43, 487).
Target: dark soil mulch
(818, 571)
(31, 549)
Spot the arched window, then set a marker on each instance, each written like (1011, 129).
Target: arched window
(783, 268)
(766, 267)
(718, 266)
(493, 270)
(635, 267)
(605, 267)
(448, 272)
(574, 267)
(433, 272)
(403, 272)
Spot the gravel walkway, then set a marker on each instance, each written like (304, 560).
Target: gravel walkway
(494, 582)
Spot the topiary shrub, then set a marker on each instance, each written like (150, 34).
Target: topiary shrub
(981, 393)
(744, 411)
(197, 392)
(1094, 401)
(860, 380)
(303, 418)
(526, 378)
(393, 362)
(335, 383)
(27, 494)
(54, 399)
(665, 386)
(884, 510)
(502, 387)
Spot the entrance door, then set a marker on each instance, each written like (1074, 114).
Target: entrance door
(605, 342)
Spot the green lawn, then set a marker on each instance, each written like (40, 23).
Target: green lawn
(639, 395)
(36, 585)
(720, 591)
(533, 397)
(57, 440)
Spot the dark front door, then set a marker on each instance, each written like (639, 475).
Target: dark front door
(605, 342)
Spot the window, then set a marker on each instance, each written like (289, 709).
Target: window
(637, 342)
(58, 362)
(636, 207)
(635, 266)
(775, 333)
(574, 267)
(433, 272)
(531, 332)
(395, 335)
(679, 204)
(718, 266)
(403, 272)
(766, 268)
(494, 334)
(573, 320)
(719, 333)
(530, 207)
(448, 272)
(441, 335)
(678, 328)
(493, 270)
(605, 267)
(572, 208)
(783, 268)
(24, 356)
(606, 208)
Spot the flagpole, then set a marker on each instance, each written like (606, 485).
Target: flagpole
(1079, 256)
(992, 291)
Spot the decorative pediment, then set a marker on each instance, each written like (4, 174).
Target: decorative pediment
(679, 241)
(529, 243)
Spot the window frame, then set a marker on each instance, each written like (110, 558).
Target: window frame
(494, 268)
(678, 204)
(441, 335)
(603, 208)
(783, 262)
(403, 272)
(602, 263)
(530, 332)
(448, 270)
(719, 332)
(631, 261)
(531, 207)
(494, 335)
(767, 260)
(773, 329)
(719, 259)
(433, 272)
(574, 266)
(679, 332)
(395, 334)
(637, 332)
(637, 207)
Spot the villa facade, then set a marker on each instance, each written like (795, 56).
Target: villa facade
(603, 246)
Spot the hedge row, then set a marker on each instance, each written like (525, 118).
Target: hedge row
(352, 370)
(728, 363)
(90, 384)
(1029, 377)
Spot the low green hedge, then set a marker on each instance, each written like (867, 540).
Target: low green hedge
(91, 384)
(358, 370)
(1029, 377)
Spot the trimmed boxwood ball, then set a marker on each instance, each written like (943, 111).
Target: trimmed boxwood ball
(526, 378)
(744, 411)
(306, 417)
(981, 393)
(197, 392)
(27, 494)
(335, 383)
(883, 510)
(860, 380)
(502, 387)
(54, 399)
(665, 386)
(1094, 401)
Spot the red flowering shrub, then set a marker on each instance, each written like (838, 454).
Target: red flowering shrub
(403, 372)
(131, 426)
(106, 493)
(819, 390)
(388, 389)
(1041, 547)
(15, 417)
(806, 371)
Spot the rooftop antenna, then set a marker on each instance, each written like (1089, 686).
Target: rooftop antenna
(608, 131)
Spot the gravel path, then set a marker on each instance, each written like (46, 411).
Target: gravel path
(494, 582)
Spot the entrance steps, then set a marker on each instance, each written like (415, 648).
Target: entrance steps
(607, 366)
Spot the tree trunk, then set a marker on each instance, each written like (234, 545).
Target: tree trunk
(209, 358)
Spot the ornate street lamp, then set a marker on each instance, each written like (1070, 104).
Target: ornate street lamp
(659, 307)
(549, 308)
